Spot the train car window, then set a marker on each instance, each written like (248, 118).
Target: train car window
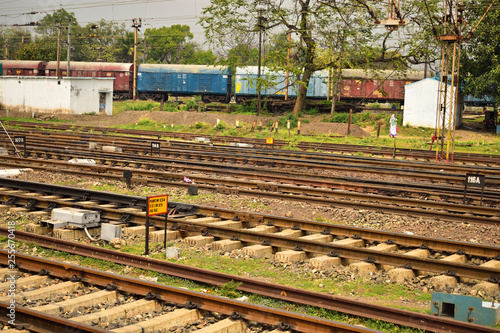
(391, 83)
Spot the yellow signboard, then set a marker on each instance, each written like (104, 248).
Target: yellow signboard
(157, 205)
(269, 141)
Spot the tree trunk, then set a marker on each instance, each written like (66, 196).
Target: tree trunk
(301, 94)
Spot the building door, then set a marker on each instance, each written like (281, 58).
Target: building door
(102, 103)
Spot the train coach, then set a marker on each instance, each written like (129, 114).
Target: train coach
(121, 72)
(246, 88)
(23, 68)
(213, 83)
(356, 84)
(122, 85)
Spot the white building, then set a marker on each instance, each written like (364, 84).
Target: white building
(74, 95)
(421, 104)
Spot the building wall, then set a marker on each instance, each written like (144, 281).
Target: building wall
(421, 104)
(56, 95)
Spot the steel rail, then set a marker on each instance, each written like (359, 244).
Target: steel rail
(387, 151)
(429, 191)
(252, 285)
(362, 254)
(182, 297)
(291, 158)
(34, 321)
(407, 206)
(143, 144)
(201, 159)
(249, 218)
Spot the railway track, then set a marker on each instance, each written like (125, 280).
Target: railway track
(441, 208)
(290, 240)
(411, 154)
(261, 178)
(181, 224)
(331, 302)
(44, 143)
(89, 300)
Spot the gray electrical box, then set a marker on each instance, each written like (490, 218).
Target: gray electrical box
(73, 217)
(110, 231)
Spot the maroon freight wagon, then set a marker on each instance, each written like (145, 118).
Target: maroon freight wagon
(23, 68)
(123, 74)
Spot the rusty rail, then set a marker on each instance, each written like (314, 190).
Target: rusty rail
(285, 293)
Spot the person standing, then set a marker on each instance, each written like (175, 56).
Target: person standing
(393, 126)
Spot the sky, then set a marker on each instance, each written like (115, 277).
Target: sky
(153, 13)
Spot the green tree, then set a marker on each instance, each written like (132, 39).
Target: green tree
(312, 25)
(99, 41)
(480, 59)
(43, 45)
(193, 54)
(49, 25)
(36, 51)
(167, 44)
(125, 48)
(12, 39)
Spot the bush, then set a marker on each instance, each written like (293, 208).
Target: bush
(312, 111)
(201, 125)
(191, 104)
(282, 121)
(220, 126)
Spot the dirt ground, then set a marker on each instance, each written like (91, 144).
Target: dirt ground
(471, 131)
(187, 118)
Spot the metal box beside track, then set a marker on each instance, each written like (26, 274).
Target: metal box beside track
(75, 217)
(469, 309)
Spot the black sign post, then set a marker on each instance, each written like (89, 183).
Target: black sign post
(474, 180)
(155, 146)
(127, 174)
(20, 140)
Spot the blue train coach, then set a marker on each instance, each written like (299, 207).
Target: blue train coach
(246, 79)
(213, 83)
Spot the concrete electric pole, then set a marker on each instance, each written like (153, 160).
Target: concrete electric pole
(136, 24)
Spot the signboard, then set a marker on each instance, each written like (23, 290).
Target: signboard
(20, 140)
(474, 180)
(155, 146)
(157, 205)
(269, 141)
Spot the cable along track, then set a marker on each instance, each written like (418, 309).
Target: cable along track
(278, 236)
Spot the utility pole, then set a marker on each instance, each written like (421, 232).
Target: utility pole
(288, 64)
(258, 86)
(136, 25)
(69, 48)
(58, 49)
(99, 49)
